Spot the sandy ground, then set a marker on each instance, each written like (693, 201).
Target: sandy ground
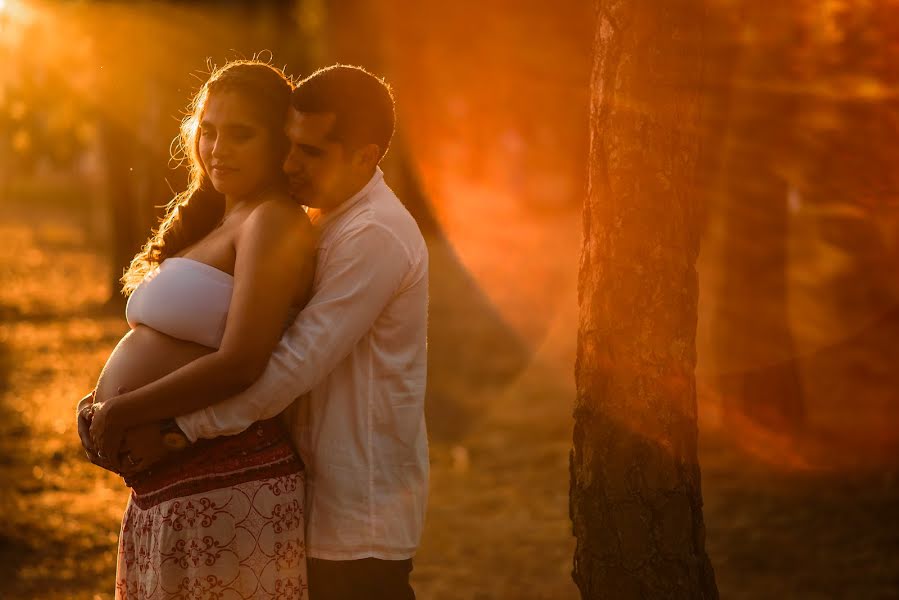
(497, 524)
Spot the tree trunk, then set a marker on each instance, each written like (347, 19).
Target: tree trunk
(636, 504)
(127, 232)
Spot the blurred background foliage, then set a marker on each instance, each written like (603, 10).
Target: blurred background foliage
(799, 305)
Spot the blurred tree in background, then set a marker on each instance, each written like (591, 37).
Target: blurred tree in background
(769, 129)
(44, 118)
(798, 129)
(754, 341)
(802, 187)
(154, 89)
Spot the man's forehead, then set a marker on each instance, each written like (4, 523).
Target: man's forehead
(310, 125)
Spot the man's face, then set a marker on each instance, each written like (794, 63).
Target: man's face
(320, 171)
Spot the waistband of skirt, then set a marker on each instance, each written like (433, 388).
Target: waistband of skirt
(262, 451)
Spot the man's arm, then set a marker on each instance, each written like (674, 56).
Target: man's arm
(362, 272)
(273, 239)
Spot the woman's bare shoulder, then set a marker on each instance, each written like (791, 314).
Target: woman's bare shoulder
(279, 212)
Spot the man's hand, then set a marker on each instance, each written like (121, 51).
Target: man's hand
(142, 447)
(84, 415)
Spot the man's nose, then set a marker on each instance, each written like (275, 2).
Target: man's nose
(291, 164)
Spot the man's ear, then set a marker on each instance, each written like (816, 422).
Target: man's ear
(367, 156)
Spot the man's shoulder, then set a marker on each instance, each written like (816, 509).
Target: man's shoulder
(383, 215)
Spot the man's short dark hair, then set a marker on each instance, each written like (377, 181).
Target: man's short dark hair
(362, 103)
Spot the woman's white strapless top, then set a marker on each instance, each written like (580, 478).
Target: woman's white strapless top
(185, 299)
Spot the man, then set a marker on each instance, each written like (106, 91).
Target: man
(358, 349)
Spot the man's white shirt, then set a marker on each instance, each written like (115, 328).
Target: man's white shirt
(359, 350)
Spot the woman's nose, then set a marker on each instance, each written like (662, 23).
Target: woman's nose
(220, 148)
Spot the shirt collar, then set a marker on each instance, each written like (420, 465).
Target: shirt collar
(323, 220)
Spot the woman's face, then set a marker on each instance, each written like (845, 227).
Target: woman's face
(236, 149)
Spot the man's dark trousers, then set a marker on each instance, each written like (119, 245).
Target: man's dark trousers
(364, 579)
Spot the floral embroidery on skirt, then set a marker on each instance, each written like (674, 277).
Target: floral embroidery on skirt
(222, 521)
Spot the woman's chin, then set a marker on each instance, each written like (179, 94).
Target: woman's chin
(225, 188)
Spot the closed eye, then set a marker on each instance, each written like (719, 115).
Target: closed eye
(240, 132)
(311, 150)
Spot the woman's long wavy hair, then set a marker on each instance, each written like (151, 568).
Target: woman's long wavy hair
(196, 211)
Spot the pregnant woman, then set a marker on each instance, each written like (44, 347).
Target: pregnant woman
(210, 295)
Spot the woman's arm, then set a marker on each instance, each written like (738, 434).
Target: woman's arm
(366, 267)
(273, 267)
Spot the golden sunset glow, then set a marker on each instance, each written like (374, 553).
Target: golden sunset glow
(505, 143)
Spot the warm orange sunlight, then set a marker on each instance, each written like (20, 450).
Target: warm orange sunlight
(693, 251)
(14, 15)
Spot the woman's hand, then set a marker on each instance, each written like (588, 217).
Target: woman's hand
(142, 448)
(83, 417)
(107, 431)
(84, 414)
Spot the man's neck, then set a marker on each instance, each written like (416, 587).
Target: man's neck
(360, 185)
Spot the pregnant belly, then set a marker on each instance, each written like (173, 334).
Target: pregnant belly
(142, 356)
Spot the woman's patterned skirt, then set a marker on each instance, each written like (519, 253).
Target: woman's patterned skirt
(223, 519)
